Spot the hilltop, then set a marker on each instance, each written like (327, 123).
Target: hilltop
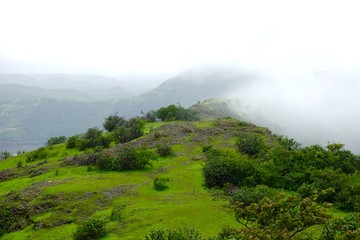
(179, 174)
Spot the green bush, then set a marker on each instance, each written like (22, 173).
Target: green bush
(55, 140)
(129, 158)
(250, 144)
(71, 142)
(221, 170)
(117, 212)
(92, 229)
(160, 183)
(342, 228)
(173, 112)
(38, 154)
(179, 234)
(253, 195)
(164, 150)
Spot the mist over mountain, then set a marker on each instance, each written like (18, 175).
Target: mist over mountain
(39, 114)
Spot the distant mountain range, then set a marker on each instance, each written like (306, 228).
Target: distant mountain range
(29, 115)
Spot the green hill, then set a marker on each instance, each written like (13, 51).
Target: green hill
(214, 165)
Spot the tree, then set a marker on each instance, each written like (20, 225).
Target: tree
(112, 122)
(250, 144)
(283, 217)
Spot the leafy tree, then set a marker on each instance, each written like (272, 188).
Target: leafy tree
(173, 112)
(283, 217)
(71, 142)
(112, 122)
(342, 228)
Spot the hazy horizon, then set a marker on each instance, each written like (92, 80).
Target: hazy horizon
(306, 53)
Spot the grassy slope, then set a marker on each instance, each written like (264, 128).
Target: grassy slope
(77, 193)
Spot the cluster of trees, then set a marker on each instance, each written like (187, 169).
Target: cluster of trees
(93, 138)
(255, 174)
(308, 170)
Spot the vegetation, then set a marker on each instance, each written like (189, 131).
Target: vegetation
(173, 112)
(258, 185)
(55, 140)
(92, 229)
(161, 183)
(164, 150)
(4, 155)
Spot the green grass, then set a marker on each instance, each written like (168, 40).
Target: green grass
(185, 203)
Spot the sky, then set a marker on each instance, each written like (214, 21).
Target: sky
(115, 37)
(307, 52)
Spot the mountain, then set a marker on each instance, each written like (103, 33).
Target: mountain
(37, 117)
(185, 178)
(10, 92)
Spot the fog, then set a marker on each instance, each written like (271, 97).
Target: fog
(306, 53)
(320, 108)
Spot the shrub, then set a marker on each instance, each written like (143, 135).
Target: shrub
(112, 122)
(71, 142)
(38, 154)
(160, 183)
(252, 195)
(4, 155)
(55, 140)
(173, 112)
(164, 150)
(342, 228)
(128, 158)
(250, 144)
(104, 162)
(92, 229)
(220, 170)
(179, 234)
(117, 212)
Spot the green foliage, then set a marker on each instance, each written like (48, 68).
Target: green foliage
(173, 113)
(71, 142)
(129, 158)
(160, 183)
(220, 170)
(112, 122)
(93, 229)
(14, 217)
(55, 140)
(4, 155)
(288, 143)
(93, 138)
(117, 212)
(179, 234)
(128, 130)
(164, 150)
(248, 195)
(282, 217)
(38, 154)
(250, 144)
(342, 228)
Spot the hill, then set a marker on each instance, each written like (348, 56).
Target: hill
(27, 121)
(211, 166)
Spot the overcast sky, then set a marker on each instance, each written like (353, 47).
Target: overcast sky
(307, 52)
(152, 37)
